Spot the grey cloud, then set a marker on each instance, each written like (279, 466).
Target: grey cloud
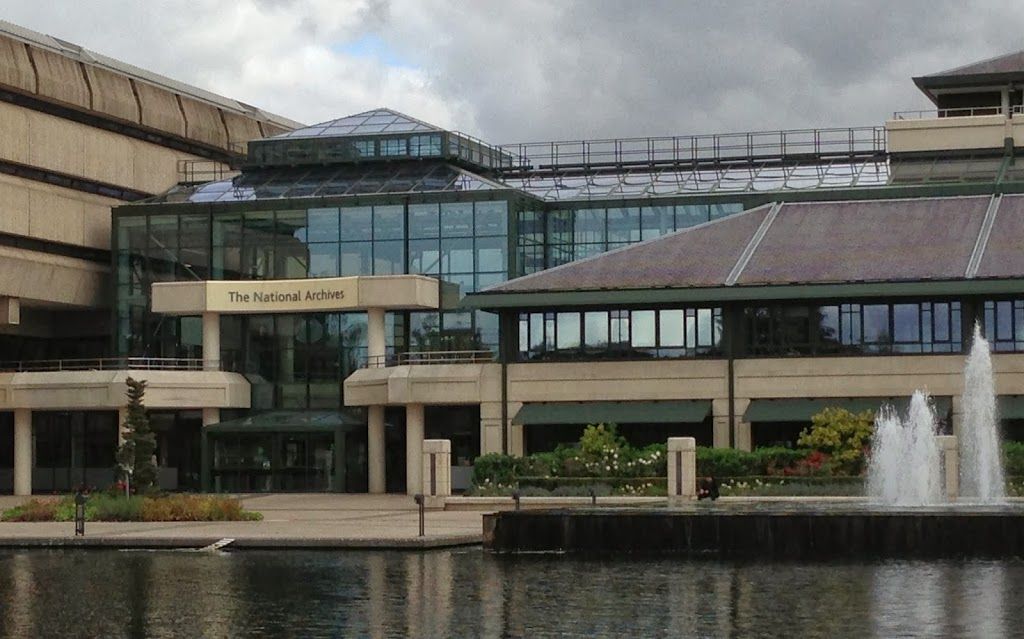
(534, 70)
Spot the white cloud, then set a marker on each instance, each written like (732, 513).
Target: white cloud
(528, 70)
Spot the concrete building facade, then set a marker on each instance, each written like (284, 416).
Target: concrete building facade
(340, 293)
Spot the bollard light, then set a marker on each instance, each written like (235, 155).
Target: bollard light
(593, 497)
(79, 513)
(515, 498)
(421, 502)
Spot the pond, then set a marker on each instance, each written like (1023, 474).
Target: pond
(469, 593)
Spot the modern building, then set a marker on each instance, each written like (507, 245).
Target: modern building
(81, 133)
(371, 281)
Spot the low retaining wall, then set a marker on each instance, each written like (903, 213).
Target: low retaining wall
(784, 533)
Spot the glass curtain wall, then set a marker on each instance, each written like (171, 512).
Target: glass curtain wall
(551, 238)
(461, 242)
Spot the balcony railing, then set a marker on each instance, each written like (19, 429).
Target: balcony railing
(103, 364)
(430, 357)
(963, 112)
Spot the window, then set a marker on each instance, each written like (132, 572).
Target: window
(1004, 325)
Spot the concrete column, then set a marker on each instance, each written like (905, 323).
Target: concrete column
(375, 450)
(375, 348)
(682, 470)
(22, 451)
(10, 310)
(720, 422)
(211, 416)
(949, 460)
(743, 436)
(122, 417)
(413, 448)
(437, 471)
(211, 341)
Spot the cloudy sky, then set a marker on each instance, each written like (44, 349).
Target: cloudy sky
(538, 70)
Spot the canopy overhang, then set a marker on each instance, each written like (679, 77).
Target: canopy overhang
(662, 412)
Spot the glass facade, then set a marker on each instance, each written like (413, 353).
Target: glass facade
(1004, 324)
(853, 328)
(635, 334)
(552, 238)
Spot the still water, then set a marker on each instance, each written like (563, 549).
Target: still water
(468, 593)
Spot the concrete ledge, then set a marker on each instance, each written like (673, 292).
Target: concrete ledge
(283, 543)
(491, 504)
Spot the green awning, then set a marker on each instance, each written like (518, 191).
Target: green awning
(801, 410)
(1011, 407)
(672, 412)
(284, 421)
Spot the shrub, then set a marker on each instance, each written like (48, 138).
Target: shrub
(32, 510)
(724, 462)
(842, 435)
(776, 460)
(102, 507)
(1013, 455)
(494, 469)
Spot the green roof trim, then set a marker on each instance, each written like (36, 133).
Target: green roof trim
(559, 299)
(281, 421)
(802, 410)
(668, 412)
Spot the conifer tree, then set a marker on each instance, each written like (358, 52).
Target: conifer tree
(135, 456)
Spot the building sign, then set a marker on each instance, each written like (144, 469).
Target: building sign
(270, 296)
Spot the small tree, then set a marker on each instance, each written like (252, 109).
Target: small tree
(135, 456)
(842, 435)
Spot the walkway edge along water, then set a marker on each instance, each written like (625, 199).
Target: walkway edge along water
(241, 543)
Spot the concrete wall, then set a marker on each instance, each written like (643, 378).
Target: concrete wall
(47, 212)
(946, 134)
(48, 142)
(79, 83)
(44, 278)
(103, 390)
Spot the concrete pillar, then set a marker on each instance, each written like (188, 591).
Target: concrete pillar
(720, 422)
(375, 348)
(437, 471)
(413, 448)
(949, 460)
(122, 417)
(743, 436)
(682, 470)
(211, 341)
(211, 416)
(375, 450)
(22, 451)
(10, 310)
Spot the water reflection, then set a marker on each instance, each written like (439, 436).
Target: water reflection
(472, 594)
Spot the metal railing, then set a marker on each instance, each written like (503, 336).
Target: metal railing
(430, 357)
(808, 144)
(962, 112)
(106, 364)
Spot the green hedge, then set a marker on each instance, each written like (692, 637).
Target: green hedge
(1013, 453)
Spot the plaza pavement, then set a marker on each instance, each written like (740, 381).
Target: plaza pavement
(289, 521)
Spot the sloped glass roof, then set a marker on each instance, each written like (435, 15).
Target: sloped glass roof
(375, 121)
(331, 181)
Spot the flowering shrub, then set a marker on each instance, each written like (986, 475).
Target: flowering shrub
(103, 506)
(843, 436)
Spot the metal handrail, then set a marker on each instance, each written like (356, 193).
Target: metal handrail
(202, 171)
(960, 112)
(429, 357)
(700, 148)
(108, 363)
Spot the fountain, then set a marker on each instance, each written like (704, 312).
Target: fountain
(906, 466)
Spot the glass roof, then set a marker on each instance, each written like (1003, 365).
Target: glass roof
(376, 121)
(331, 181)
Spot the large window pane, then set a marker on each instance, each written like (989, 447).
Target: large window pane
(389, 222)
(590, 227)
(423, 221)
(491, 218)
(906, 322)
(670, 328)
(323, 225)
(356, 223)
(568, 331)
(424, 257)
(876, 324)
(656, 221)
(323, 260)
(457, 255)
(624, 225)
(490, 254)
(596, 329)
(643, 333)
(356, 258)
(457, 219)
(388, 257)
(691, 215)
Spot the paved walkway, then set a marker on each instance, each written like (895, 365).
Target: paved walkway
(289, 521)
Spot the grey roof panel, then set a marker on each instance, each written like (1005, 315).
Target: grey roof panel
(699, 256)
(1004, 254)
(1005, 63)
(375, 121)
(881, 240)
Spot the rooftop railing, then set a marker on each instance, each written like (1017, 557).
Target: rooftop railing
(202, 171)
(104, 364)
(430, 357)
(806, 145)
(961, 112)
